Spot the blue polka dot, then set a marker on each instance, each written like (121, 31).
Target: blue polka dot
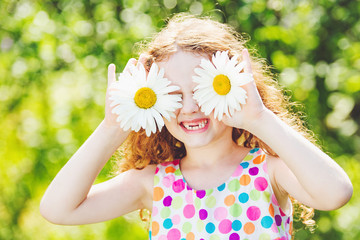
(236, 225)
(244, 197)
(221, 187)
(149, 235)
(168, 223)
(244, 165)
(266, 222)
(210, 227)
(254, 150)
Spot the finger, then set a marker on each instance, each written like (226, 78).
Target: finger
(111, 74)
(130, 64)
(142, 59)
(246, 57)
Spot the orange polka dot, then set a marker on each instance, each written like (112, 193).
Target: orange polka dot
(154, 228)
(229, 200)
(190, 236)
(170, 169)
(249, 228)
(271, 210)
(291, 228)
(259, 159)
(245, 180)
(158, 193)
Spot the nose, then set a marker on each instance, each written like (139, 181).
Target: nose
(189, 105)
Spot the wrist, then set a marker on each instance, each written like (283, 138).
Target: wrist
(113, 133)
(263, 120)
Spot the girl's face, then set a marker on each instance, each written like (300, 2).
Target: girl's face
(191, 126)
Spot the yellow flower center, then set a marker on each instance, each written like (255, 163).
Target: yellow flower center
(145, 98)
(221, 84)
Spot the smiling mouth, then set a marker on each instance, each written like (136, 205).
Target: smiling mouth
(192, 126)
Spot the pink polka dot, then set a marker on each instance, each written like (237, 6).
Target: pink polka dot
(225, 226)
(281, 212)
(253, 213)
(274, 200)
(238, 171)
(155, 211)
(174, 234)
(265, 167)
(156, 170)
(178, 186)
(168, 180)
(189, 211)
(220, 213)
(260, 184)
(176, 219)
(189, 197)
(274, 228)
(168, 163)
(162, 237)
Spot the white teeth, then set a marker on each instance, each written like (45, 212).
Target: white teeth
(198, 126)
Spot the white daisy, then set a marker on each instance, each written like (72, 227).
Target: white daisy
(219, 85)
(141, 102)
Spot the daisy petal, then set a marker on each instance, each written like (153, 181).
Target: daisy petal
(207, 94)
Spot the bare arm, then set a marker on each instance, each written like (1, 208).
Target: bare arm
(302, 170)
(71, 198)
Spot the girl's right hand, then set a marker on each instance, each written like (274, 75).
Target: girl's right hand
(110, 118)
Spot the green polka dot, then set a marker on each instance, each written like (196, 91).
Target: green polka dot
(235, 210)
(234, 185)
(165, 212)
(214, 237)
(210, 202)
(200, 225)
(248, 157)
(177, 172)
(255, 195)
(264, 236)
(156, 180)
(177, 202)
(197, 203)
(209, 192)
(187, 227)
(266, 196)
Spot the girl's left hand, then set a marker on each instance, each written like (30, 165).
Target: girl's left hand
(254, 106)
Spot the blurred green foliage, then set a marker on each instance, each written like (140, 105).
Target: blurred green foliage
(53, 61)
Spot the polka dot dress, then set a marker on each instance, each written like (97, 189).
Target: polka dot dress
(244, 207)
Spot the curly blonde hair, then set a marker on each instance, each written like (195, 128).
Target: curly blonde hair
(205, 36)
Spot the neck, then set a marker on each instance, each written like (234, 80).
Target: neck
(215, 152)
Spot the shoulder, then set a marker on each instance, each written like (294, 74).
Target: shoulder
(144, 177)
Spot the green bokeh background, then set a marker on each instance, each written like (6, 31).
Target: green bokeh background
(53, 61)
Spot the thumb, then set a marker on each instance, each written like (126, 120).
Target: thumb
(246, 58)
(111, 74)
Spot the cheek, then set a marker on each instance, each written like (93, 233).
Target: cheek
(170, 124)
(218, 124)
(177, 111)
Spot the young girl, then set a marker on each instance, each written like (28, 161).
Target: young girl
(201, 177)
